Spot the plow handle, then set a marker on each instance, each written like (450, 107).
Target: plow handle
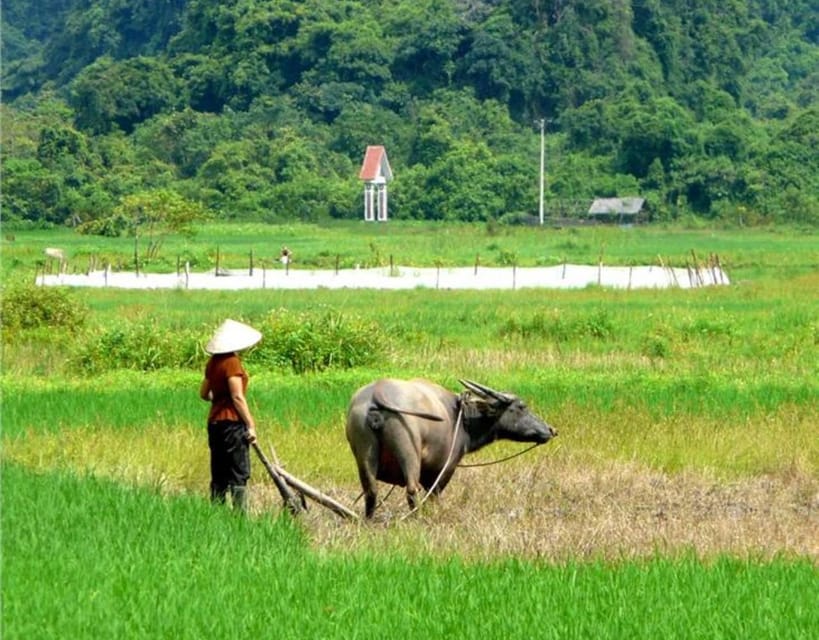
(291, 501)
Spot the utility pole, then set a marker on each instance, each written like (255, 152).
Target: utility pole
(542, 162)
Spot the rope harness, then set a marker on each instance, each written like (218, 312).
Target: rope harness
(446, 464)
(489, 464)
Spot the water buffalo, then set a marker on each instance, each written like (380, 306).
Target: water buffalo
(413, 433)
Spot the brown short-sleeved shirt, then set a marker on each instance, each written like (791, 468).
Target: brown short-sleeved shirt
(220, 367)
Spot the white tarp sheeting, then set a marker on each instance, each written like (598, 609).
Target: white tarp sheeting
(558, 277)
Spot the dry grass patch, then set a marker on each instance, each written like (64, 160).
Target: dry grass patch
(558, 512)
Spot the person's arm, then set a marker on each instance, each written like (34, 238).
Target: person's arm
(237, 394)
(204, 390)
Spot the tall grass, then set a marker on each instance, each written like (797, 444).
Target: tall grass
(747, 253)
(84, 558)
(736, 328)
(714, 424)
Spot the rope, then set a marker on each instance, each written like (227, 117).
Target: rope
(487, 464)
(446, 464)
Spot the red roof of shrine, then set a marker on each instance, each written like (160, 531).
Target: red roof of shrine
(375, 164)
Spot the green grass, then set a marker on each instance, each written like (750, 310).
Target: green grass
(85, 558)
(746, 253)
(124, 422)
(106, 531)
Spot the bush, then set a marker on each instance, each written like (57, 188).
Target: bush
(317, 341)
(301, 342)
(30, 307)
(141, 347)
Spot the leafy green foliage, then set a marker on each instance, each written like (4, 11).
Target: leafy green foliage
(261, 110)
(315, 341)
(29, 307)
(139, 346)
(154, 214)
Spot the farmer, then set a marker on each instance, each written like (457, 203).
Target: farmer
(286, 255)
(231, 428)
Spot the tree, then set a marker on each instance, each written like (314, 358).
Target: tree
(254, 106)
(109, 94)
(464, 184)
(30, 191)
(656, 129)
(428, 36)
(152, 215)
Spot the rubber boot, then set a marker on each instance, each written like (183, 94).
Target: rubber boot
(239, 495)
(217, 494)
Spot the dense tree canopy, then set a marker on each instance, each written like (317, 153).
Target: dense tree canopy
(262, 109)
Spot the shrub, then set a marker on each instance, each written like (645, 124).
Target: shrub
(708, 328)
(141, 347)
(656, 345)
(31, 307)
(317, 341)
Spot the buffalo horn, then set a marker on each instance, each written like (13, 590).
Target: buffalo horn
(484, 391)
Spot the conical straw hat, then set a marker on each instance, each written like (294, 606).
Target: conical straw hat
(232, 336)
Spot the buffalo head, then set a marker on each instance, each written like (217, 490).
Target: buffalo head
(494, 415)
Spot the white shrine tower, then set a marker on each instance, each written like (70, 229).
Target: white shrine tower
(376, 173)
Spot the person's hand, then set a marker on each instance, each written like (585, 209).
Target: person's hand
(251, 435)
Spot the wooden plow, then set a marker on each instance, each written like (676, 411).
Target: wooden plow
(293, 490)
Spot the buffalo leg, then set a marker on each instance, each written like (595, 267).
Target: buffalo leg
(367, 470)
(397, 438)
(370, 493)
(411, 468)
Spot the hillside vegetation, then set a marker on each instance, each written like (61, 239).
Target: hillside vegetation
(119, 113)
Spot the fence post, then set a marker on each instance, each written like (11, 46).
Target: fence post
(673, 274)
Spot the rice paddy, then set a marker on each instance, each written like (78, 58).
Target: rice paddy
(687, 461)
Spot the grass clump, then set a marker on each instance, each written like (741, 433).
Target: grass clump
(139, 346)
(26, 307)
(315, 341)
(299, 342)
(558, 327)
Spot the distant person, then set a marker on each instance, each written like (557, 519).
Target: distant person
(231, 427)
(287, 256)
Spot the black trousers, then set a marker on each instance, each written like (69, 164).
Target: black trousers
(229, 457)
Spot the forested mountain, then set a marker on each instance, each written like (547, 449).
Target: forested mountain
(262, 109)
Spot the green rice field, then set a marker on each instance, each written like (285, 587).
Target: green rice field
(680, 500)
